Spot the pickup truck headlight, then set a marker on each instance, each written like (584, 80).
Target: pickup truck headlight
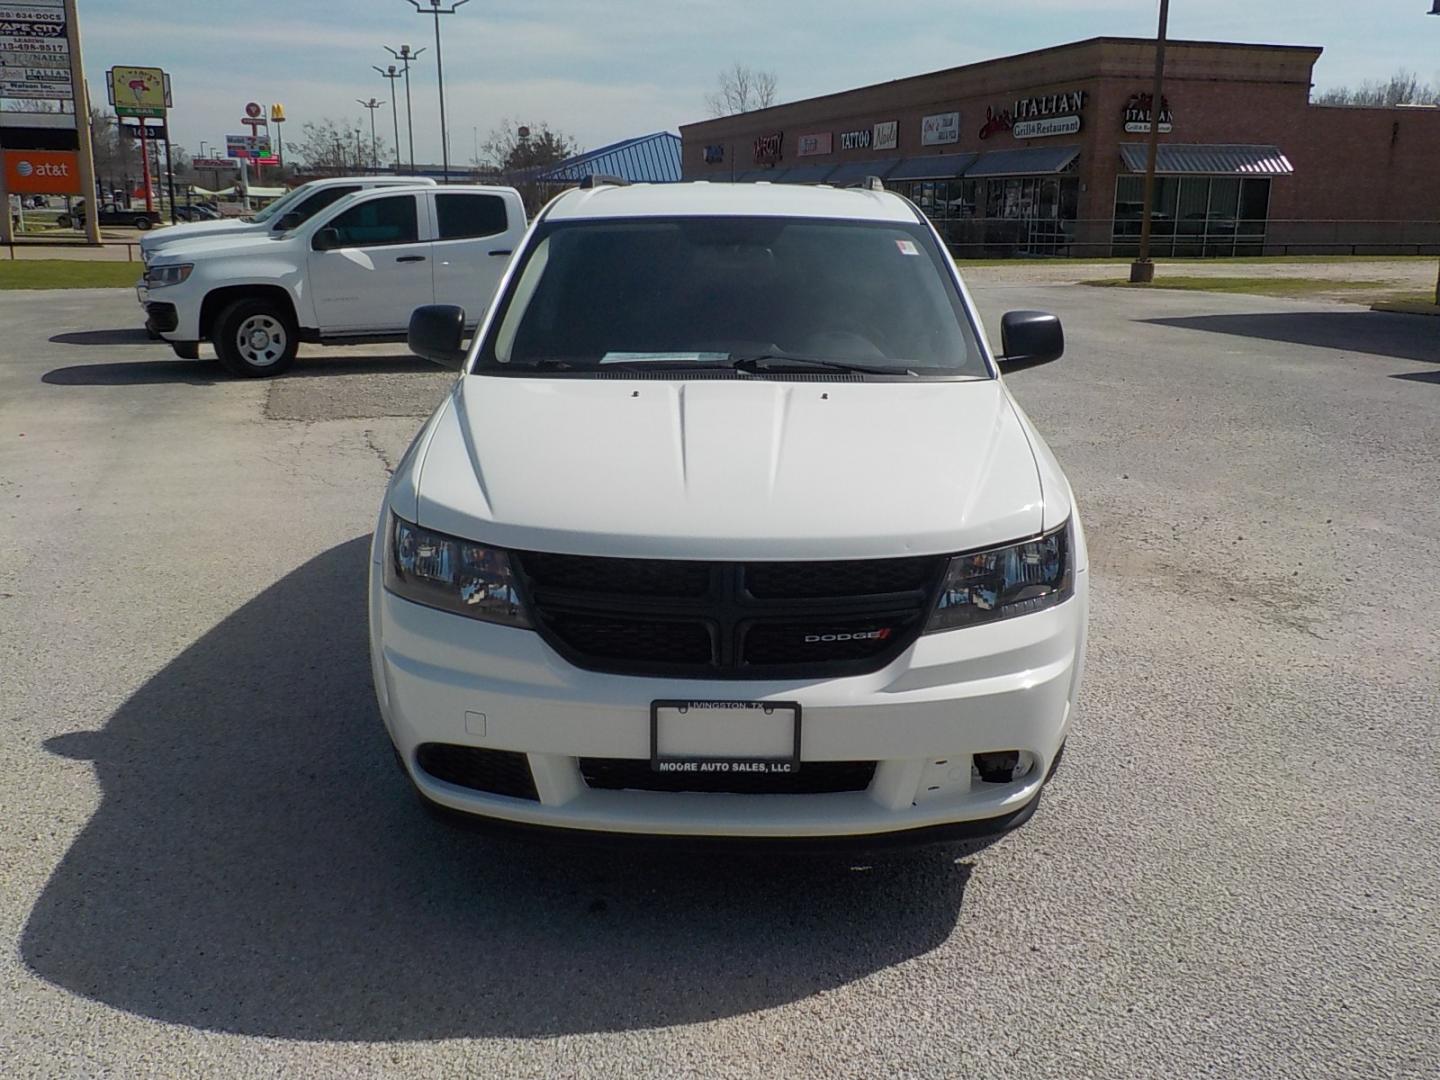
(451, 574)
(1017, 579)
(157, 277)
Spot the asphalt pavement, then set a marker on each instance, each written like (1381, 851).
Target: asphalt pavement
(209, 865)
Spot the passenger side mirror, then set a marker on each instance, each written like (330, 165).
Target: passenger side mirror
(288, 222)
(1028, 338)
(437, 334)
(326, 239)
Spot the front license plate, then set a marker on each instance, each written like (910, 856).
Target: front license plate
(725, 736)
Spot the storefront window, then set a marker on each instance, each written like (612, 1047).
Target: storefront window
(1193, 216)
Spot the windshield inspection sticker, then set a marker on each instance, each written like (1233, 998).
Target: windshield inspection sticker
(907, 247)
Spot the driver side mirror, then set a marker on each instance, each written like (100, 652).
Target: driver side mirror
(437, 334)
(327, 239)
(1030, 338)
(288, 222)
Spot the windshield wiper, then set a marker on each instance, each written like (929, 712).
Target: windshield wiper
(780, 363)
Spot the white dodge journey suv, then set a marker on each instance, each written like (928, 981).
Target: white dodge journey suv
(730, 528)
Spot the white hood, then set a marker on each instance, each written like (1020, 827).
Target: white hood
(727, 469)
(194, 229)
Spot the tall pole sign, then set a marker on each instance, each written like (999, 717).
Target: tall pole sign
(142, 94)
(40, 61)
(254, 119)
(277, 117)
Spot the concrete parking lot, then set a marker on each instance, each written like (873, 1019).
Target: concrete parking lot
(210, 866)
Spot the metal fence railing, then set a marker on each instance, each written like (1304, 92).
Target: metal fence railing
(999, 238)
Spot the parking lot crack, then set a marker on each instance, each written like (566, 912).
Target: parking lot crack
(379, 452)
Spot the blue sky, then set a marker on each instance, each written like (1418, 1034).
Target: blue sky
(607, 69)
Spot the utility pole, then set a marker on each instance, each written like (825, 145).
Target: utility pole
(1436, 11)
(372, 105)
(405, 55)
(1142, 270)
(436, 10)
(391, 73)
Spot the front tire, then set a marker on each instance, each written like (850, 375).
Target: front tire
(64, 221)
(255, 339)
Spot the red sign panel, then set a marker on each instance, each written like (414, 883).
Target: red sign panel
(767, 148)
(42, 172)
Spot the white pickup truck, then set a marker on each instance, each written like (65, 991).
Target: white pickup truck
(295, 207)
(352, 273)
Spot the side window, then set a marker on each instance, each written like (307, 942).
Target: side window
(320, 200)
(464, 216)
(380, 221)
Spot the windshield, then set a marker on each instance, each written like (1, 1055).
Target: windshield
(713, 291)
(280, 205)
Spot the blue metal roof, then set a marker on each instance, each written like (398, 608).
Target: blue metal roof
(653, 159)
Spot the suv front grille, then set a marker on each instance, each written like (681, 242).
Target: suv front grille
(814, 778)
(728, 620)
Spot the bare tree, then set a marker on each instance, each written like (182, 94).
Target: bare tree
(329, 146)
(505, 150)
(741, 89)
(1403, 88)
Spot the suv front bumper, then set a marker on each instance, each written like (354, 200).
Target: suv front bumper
(1010, 685)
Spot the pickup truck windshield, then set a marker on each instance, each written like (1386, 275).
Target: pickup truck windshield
(759, 294)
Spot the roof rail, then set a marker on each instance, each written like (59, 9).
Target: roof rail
(872, 183)
(595, 180)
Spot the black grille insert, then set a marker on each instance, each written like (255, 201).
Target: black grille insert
(497, 772)
(691, 619)
(814, 778)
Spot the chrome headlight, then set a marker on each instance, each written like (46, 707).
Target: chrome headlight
(157, 277)
(1007, 581)
(451, 574)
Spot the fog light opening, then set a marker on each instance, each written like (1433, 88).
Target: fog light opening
(1003, 766)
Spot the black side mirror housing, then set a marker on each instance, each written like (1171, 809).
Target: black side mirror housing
(1029, 338)
(326, 239)
(288, 222)
(437, 334)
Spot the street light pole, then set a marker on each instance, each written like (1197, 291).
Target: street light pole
(372, 105)
(436, 10)
(1142, 270)
(405, 55)
(390, 74)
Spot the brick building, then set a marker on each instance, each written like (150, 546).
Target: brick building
(1044, 153)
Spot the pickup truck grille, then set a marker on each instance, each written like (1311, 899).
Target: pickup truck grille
(761, 620)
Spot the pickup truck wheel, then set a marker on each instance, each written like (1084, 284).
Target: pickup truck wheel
(64, 221)
(142, 223)
(255, 339)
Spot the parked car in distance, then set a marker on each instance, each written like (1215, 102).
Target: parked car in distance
(111, 213)
(294, 208)
(353, 272)
(730, 529)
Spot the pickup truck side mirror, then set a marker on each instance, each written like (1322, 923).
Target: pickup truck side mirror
(290, 221)
(327, 239)
(437, 334)
(1029, 338)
